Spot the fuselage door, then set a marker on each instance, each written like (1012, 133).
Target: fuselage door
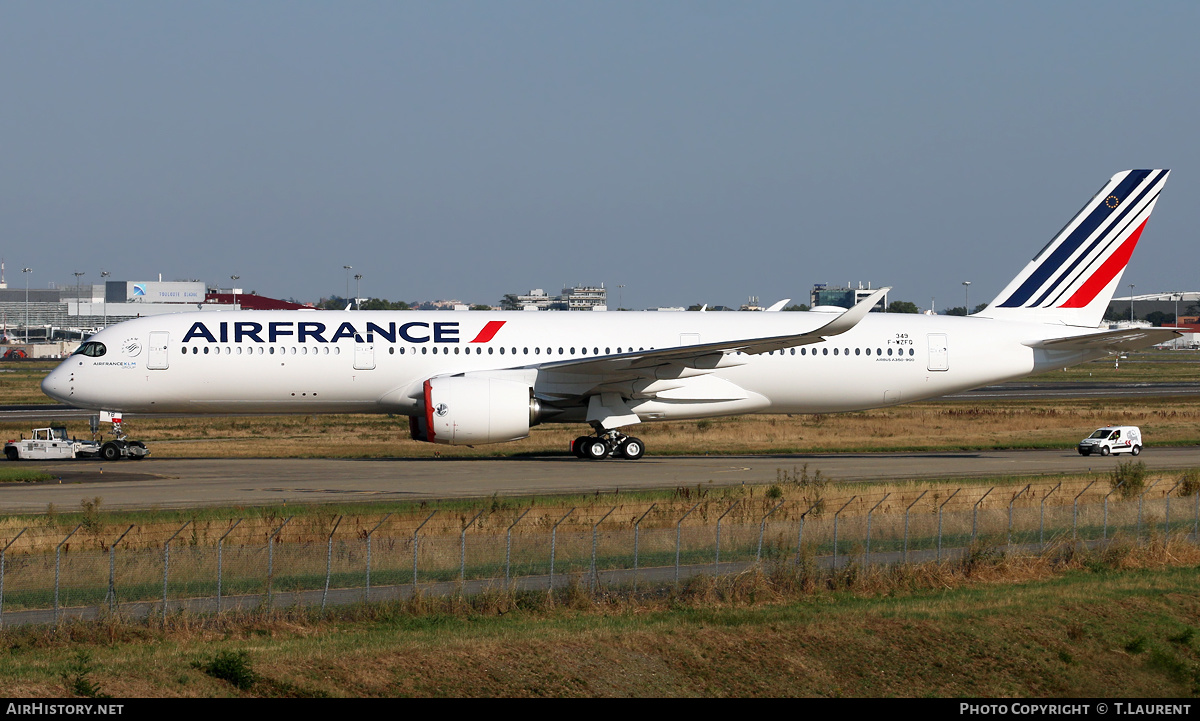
(939, 352)
(156, 360)
(364, 356)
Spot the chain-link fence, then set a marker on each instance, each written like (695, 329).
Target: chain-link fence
(48, 572)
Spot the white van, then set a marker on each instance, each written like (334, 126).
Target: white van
(1112, 439)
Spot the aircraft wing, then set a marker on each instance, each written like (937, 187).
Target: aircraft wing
(1123, 339)
(705, 355)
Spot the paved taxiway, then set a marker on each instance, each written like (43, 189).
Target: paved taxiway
(182, 483)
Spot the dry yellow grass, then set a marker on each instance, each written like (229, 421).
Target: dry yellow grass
(919, 426)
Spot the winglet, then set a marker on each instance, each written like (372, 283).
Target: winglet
(850, 318)
(779, 306)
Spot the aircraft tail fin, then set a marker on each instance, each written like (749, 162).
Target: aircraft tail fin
(1073, 278)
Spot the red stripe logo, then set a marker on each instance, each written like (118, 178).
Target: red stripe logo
(489, 331)
(429, 413)
(1106, 272)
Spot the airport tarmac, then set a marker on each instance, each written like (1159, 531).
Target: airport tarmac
(197, 482)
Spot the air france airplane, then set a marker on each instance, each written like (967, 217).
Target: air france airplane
(472, 378)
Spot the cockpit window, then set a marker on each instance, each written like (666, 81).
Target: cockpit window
(92, 349)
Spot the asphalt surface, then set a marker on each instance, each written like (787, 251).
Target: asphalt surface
(196, 482)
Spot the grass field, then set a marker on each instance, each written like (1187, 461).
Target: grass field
(1122, 624)
(943, 425)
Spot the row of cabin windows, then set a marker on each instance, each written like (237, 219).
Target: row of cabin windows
(270, 350)
(845, 351)
(445, 350)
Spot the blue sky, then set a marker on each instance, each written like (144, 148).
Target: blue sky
(692, 152)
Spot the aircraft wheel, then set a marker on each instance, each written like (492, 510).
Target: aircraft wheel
(1136, 450)
(632, 449)
(595, 449)
(1104, 451)
(577, 446)
(110, 452)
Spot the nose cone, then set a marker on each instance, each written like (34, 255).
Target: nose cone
(58, 384)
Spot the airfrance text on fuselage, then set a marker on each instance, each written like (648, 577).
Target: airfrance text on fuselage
(315, 331)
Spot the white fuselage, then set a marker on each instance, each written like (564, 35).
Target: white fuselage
(333, 361)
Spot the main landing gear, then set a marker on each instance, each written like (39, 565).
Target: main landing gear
(609, 443)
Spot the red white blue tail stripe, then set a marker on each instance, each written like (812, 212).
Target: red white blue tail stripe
(1073, 278)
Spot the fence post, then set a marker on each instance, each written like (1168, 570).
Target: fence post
(415, 541)
(835, 530)
(877, 505)
(975, 513)
(3, 553)
(678, 524)
(1167, 524)
(906, 510)
(221, 561)
(271, 559)
(1114, 490)
(554, 546)
(329, 562)
(1075, 513)
(367, 591)
(1018, 494)
(717, 557)
(167, 566)
(637, 529)
(112, 569)
(1042, 517)
(595, 580)
(1137, 538)
(57, 556)
(508, 548)
(462, 548)
(939, 515)
(800, 533)
(762, 527)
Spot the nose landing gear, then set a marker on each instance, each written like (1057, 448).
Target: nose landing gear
(610, 443)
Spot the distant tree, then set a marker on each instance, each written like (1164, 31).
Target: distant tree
(797, 306)
(334, 303)
(957, 310)
(979, 308)
(1159, 318)
(383, 304)
(903, 306)
(481, 307)
(510, 302)
(696, 306)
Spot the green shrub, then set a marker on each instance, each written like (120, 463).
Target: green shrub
(75, 677)
(1130, 478)
(1189, 484)
(231, 666)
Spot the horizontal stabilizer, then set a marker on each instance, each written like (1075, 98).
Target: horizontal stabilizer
(1124, 339)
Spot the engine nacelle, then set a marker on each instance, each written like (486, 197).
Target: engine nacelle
(465, 410)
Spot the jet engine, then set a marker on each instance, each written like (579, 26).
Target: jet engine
(465, 410)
